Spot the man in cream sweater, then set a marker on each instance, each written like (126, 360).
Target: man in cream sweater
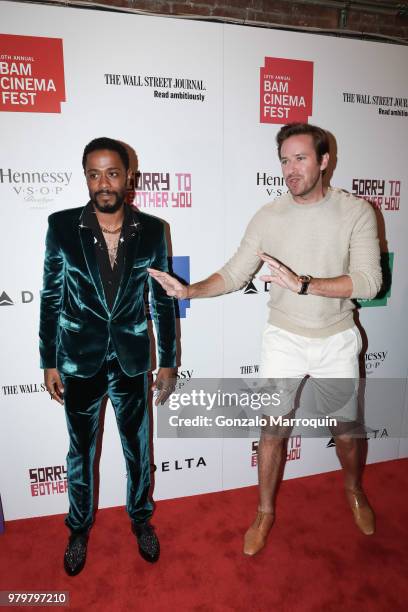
(322, 248)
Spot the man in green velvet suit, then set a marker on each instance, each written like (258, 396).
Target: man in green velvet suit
(94, 337)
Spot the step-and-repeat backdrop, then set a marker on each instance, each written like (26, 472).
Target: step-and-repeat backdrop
(200, 105)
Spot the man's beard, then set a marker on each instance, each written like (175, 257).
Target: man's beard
(109, 208)
(307, 186)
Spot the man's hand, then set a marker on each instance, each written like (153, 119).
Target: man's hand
(336, 287)
(54, 384)
(281, 275)
(171, 285)
(164, 384)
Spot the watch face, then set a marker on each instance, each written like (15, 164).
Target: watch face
(305, 279)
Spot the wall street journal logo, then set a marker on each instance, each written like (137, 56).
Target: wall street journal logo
(246, 370)
(23, 388)
(31, 74)
(286, 90)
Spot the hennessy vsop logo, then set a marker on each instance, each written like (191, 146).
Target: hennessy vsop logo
(286, 90)
(31, 74)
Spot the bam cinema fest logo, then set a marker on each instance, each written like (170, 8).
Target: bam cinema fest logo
(38, 188)
(286, 90)
(161, 190)
(293, 450)
(31, 74)
(50, 480)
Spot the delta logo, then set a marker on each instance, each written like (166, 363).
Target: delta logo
(371, 434)
(286, 90)
(31, 74)
(252, 289)
(26, 297)
(387, 263)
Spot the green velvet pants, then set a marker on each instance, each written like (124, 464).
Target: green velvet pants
(83, 399)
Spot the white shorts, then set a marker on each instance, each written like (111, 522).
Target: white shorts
(332, 363)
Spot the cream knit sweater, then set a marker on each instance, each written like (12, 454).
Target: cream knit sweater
(335, 236)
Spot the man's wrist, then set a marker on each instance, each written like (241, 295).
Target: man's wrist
(304, 284)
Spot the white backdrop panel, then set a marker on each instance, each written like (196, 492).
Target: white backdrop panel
(219, 145)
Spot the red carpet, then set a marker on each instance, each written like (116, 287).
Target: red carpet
(315, 560)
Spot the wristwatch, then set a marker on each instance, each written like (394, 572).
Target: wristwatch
(305, 280)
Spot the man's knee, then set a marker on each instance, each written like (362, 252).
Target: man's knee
(270, 438)
(345, 443)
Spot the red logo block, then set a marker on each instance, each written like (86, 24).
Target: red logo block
(31, 74)
(286, 90)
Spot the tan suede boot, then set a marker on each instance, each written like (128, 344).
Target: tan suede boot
(363, 513)
(257, 534)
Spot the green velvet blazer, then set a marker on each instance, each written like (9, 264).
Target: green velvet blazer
(76, 324)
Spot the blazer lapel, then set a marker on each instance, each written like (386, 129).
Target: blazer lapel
(131, 250)
(87, 241)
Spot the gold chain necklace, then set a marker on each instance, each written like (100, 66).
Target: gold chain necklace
(108, 231)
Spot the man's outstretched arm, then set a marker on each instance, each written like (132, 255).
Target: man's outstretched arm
(210, 287)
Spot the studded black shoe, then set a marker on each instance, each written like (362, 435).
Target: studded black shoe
(75, 553)
(149, 545)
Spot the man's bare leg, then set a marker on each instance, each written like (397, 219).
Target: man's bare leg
(349, 452)
(270, 458)
(271, 451)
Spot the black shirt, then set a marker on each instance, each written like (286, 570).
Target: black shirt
(110, 276)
